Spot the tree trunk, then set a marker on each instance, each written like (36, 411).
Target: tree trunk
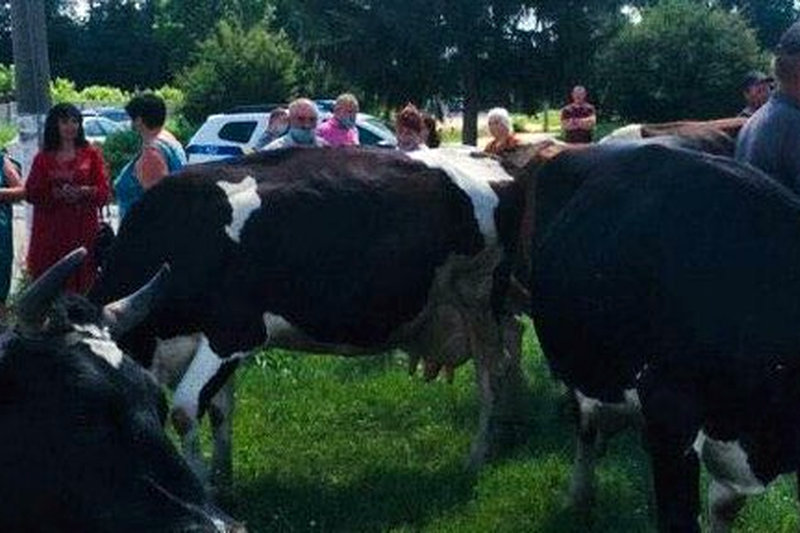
(469, 132)
(32, 67)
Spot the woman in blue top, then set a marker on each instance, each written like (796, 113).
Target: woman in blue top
(161, 152)
(11, 190)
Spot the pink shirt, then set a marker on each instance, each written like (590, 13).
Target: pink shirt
(335, 135)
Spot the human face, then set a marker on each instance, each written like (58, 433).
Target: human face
(303, 117)
(579, 95)
(408, 139)
(68, 129)
(497, 128)
(345, 113)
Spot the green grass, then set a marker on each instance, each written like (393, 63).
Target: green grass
(335, 444)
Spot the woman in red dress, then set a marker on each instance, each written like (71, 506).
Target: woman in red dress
(67, 185)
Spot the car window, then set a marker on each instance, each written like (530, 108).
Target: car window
(380, 125)
(92, 129)
(109, 127)
(238, 132)
(367, 138)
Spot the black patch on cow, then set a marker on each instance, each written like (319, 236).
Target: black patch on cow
(345, 246)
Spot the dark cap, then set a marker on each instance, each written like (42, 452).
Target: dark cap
(790, 41)
(755, 77)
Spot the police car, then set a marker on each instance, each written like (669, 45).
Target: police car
(238, 132)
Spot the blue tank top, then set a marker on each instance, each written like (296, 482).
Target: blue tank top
(127, 188)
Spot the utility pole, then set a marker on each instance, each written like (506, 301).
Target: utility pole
(32, 75)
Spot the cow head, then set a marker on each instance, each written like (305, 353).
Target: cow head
(83, 446)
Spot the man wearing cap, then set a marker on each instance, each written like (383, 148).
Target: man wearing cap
(770, 140)
(755, 89)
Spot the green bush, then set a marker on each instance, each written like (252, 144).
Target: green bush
(683, 60)
(63, 90)
(118, 149)
(235, 67)
(181, 128)
(6, 82)
(104, 94)
(173, 96)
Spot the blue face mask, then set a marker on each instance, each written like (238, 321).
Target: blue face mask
(302, 135)
(347, 122)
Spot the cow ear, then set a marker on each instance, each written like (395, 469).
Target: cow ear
(36, 300)
(122, 315)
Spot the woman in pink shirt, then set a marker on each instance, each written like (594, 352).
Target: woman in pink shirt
(340, 129)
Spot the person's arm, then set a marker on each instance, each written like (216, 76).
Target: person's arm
(152, 167)
(588, 123)
(567, 122)
(38, 189)
(14, 191)
(99, 191)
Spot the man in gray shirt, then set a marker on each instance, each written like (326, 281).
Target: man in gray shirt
(770, 140)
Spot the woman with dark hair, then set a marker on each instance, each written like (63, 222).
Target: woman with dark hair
(67, 185)
(408, 126)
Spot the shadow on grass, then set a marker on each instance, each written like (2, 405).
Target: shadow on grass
(380, 501)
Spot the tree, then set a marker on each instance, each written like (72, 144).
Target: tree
(235, 67)
(683, 61)
(770, 18)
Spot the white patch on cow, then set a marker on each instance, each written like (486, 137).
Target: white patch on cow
(473, 176)
(100, 343)
(243, 199)
(202, 369)
(631, 132)
(588, 404)
(728, 464)
(277, 326)
(172, 357)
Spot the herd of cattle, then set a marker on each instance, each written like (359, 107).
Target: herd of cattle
(660, 275)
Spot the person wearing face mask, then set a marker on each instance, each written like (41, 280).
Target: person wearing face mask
(340, 129)
(277, 126)
(303, 117)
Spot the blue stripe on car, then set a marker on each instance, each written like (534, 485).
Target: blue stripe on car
(213, 149)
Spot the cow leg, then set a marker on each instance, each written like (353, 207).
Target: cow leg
(671, 424)
(502, 420)
(582, 484)
(196, 384)
(220, 413)
(724, 504)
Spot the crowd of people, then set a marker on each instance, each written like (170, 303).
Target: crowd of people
(68, 183)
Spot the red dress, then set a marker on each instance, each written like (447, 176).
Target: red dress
(59, 225)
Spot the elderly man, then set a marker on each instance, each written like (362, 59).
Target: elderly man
(303, 117)
(578, 118)
(340, 129)
(755, 90)
(771, 138)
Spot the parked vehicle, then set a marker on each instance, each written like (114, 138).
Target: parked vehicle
(237, 133)
(98, 128)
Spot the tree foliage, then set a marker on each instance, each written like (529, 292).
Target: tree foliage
(235, 67)
(684, 60)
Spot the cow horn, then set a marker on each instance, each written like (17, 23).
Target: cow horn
(124, 314)
(36, 299)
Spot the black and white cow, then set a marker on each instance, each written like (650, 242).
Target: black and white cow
(348, 251)
(83, 445)
(670, 278)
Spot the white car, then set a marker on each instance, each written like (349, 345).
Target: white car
(232, 134)
(98, 128)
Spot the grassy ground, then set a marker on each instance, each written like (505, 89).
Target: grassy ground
(334, 444)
